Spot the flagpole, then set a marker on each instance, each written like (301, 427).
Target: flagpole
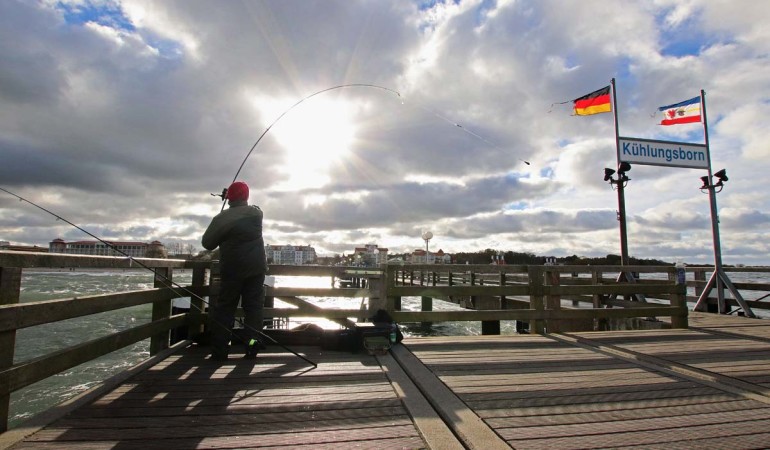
(719, 278)
(622, 180)
(621, 194)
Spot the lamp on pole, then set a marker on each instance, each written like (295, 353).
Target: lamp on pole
(427, 236)
(719, 279)
(619, 184)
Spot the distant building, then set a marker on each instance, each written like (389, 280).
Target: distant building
(134, 249)
(370, 255)
(296, 255)
(421, 256)
(5, 245)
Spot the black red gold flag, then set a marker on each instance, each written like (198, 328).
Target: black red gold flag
(594, 103)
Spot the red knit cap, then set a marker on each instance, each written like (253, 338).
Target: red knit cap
(238, 191)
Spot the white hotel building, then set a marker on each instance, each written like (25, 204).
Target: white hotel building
(290, 254)
(132, 249)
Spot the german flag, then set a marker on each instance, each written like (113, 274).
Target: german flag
(594, 103)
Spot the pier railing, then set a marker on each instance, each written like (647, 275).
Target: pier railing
(547, 298)
(15, 316)
(534, 294)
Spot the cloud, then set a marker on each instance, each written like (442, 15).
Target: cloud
(124, 116)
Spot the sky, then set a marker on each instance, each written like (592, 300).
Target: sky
(371, 122)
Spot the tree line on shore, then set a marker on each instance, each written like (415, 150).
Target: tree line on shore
(490, 256)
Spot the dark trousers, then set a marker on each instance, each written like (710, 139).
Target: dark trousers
(251, 294)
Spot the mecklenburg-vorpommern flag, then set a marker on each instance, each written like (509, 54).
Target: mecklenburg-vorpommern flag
(687, 111)
(594, 103)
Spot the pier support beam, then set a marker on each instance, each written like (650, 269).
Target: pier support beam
(161, 310)
(536, 297)
(490, 327)
(426, 304)
(197, 306)
(10, 291)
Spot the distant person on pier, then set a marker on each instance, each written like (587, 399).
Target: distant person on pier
(237, 231)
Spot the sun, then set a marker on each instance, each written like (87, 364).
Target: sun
(313, 137)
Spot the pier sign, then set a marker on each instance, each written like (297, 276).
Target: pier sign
(663, 153)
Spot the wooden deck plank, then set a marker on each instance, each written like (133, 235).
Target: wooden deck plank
(514, 418)
(118, 431)
(369, 437)
(243, 418)
(759, 417)
(232, 410)
(741, 436)
(610, 407)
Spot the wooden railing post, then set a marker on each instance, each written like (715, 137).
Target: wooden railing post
(10, 292)
(215, 285)
(502, 283)
(196, 303)
(161, 310)
(699, 275)
(536, 302)
(426, 304)
(596, 279)
(679, 300)
(553, 302)
(379, 291)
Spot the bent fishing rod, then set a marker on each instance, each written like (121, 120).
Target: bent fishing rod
(167, 281)
(238, 172)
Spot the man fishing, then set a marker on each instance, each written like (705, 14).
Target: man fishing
(237, 231)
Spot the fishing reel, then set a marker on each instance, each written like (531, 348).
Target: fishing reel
(223, 195)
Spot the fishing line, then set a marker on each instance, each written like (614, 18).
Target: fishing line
(450, 121)
(446, 119)
(167, 281)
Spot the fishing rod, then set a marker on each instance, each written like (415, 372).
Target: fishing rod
(167, 281)
(224, 191)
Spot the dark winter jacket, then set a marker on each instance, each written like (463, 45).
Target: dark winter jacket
(237, 231)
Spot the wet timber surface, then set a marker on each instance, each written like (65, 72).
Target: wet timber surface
(705, 387)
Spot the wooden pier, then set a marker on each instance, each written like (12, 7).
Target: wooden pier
(706, 387)
(700, 381)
